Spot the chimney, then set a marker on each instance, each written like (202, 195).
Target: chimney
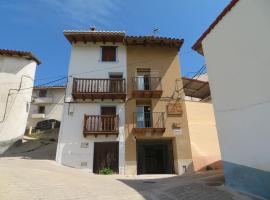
(92, 28)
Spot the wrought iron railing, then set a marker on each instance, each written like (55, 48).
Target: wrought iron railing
(149, 120)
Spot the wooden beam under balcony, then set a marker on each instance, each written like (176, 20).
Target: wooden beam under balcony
(99, 89)
(147, 93)
(149, 130)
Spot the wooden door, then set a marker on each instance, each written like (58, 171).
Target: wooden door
(154, 157)
(106, 154)
(115, 83)
(107, 123)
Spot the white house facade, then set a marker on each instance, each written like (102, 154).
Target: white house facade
(236, 50)
(102, 77)
(17, 71)
(47, 103)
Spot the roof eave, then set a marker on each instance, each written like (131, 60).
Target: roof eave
(198, 44)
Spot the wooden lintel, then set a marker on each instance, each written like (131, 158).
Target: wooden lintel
(74, 39)
(144, 42)
(93, 39)
(84, 40)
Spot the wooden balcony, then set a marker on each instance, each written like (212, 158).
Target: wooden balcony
(99, 89)
(149, 122)
(101, 125)
(147, 87)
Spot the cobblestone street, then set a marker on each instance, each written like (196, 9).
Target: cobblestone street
(23, 178)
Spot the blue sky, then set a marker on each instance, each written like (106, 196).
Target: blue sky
(37, 26)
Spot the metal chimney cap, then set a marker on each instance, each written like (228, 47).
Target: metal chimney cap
(92, 28)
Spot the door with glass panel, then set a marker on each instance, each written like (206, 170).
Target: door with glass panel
(143, 79)
(143, 117)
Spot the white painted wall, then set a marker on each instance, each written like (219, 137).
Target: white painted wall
(53, 108)
(69, 151)
(85, 62)
(12, 69)
(238, 61)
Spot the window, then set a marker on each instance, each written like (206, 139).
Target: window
(115, 75)
(108, 53)
(42, 93)
(41, 109)
(143, 114)
(143, 80)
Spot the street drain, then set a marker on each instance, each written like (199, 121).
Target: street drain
(214, 184)
(149, 182)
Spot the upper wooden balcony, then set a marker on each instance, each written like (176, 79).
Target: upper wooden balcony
(101, 125)
(99, 89)
(146, 87)
(152, 122)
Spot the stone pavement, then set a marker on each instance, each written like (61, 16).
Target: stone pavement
(22, 178)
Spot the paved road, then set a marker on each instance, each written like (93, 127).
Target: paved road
(28, 172)
(22, 179)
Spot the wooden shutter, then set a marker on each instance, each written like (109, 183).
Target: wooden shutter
(108, 53)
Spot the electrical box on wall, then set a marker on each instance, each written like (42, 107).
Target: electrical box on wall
(177, 128)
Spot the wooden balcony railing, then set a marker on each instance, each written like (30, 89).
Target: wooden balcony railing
(101, 125)
(146, 87)
(149, 122)
(99, 89)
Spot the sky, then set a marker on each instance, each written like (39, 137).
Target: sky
(37, 26)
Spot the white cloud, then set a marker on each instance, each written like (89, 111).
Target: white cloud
(86, 11)
(78, 13)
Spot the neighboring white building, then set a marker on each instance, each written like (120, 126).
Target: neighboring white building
(47, 103)
(17, 71)
(236, 50)
(91, 63)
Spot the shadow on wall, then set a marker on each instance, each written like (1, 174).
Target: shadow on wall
(217, 165)
(247, 179)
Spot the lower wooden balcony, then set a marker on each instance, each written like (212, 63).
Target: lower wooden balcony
(101, 125)
(152, 122)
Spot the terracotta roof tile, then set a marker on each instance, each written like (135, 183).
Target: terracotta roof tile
(24, 54)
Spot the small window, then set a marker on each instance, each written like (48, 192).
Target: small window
(115, 75)
(27, 106)
(108, 53)
(42, 93)
(41, 109)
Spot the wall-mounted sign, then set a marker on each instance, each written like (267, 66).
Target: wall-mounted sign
(174, 108)
(177, 131)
